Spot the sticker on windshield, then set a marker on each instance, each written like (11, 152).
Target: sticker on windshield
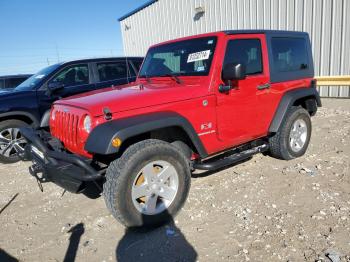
(200, 68)
(202, 55)
(39, 76)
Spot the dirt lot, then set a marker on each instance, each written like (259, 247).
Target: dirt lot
(261, 210)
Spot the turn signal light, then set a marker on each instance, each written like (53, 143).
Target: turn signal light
(116, 142)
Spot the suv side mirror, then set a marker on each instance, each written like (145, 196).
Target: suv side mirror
(52, 87)
(233, 71)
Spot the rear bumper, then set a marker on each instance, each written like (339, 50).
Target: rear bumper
(66, 170)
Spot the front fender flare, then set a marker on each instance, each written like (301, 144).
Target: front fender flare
(100, 138)
(32, 118)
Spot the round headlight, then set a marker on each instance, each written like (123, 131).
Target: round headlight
(87, 124)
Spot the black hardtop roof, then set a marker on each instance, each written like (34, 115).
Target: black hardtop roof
(266, 32)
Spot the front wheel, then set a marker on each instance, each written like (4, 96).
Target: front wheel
(148, 184)
(11, 140)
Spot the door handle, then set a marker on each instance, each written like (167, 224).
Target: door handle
(264, 86)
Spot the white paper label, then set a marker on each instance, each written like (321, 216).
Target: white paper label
(39, 76)
(202, 55)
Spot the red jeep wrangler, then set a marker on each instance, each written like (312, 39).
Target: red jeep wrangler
(200, 102)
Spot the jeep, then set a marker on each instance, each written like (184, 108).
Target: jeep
(199, 103)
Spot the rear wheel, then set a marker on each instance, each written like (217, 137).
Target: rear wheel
(11, 140)
(293, 137)
(148, 184)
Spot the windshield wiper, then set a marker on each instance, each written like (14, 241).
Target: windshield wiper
(174, 77)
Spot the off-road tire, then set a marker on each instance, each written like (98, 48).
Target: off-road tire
(184, 148)
(279, 143)
(11, 124)
(122, 172)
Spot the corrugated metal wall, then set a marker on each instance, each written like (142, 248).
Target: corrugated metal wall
(327, 22)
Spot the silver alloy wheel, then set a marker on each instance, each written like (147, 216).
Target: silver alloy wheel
(155, 187)
(298, 135)
(11, 141)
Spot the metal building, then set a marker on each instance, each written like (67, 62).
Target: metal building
(327, 22)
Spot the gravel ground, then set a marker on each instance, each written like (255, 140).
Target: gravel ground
(260, 210)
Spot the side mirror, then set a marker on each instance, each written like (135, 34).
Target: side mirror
(52, 87)
(233, 71)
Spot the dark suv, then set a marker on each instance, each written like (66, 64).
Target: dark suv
(27, 103)
(9, 82)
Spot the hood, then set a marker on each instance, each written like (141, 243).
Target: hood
(134, 96)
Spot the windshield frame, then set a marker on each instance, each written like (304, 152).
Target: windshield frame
(162, 48)
(34, 82)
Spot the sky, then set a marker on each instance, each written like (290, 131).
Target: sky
(38, 33)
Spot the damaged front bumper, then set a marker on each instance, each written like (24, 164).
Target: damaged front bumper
(51, 164)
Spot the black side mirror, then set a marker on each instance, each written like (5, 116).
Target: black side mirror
(233, 71)
(52, 87)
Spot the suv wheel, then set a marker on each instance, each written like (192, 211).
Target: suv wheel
(293, 137)
(11, 140)
(148, 184)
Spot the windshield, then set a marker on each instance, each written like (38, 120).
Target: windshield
(32, 81)
(186, 58)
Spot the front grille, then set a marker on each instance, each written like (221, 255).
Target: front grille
(66, 128)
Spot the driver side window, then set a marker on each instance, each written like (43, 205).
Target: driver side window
(73, 76)
(246, 52)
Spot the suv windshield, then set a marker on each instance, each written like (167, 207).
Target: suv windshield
(32, 81)
(186, 58)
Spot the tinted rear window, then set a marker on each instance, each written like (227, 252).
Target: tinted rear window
(289, 54)
(112, 71)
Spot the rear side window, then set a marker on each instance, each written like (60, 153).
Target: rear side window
(246, 52)
(289, 54)
(112, 71)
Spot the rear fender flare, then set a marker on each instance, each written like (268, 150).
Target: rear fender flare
(288, 100)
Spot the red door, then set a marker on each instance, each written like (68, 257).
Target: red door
(238, 111)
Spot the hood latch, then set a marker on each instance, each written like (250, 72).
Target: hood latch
(107, 113)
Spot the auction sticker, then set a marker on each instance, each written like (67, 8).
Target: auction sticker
(39, 76)
(198, 56)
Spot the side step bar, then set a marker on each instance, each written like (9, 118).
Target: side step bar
(229, 160)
